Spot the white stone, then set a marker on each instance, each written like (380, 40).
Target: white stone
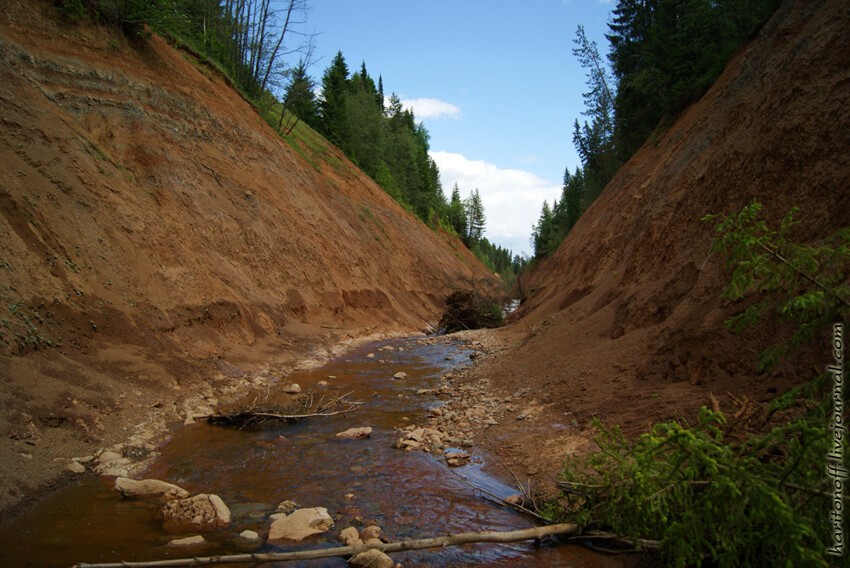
(196, 540)
(76, 467)
(293, 388)
(301, 524)
(400, 375)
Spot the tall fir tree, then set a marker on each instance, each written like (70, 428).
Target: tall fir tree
(332, 108)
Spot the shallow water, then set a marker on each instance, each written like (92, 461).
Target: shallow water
(409, 494)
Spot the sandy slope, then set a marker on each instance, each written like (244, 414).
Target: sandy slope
(162, 243)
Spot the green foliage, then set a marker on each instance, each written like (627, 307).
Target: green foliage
(805, 284)
(706, 499)
(74, 9)
(711, 494)
(666, 53)
(384, 141)
(556, 221)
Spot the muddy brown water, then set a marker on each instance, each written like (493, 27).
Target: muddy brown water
(409, 494)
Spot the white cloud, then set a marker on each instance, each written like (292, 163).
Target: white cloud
(512, 198)
(431, 108)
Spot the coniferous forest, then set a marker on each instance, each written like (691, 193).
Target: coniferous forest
(662, 56)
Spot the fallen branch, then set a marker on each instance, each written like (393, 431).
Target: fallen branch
(496, 499)
(459, 539)
(639, 544)
(302, 407)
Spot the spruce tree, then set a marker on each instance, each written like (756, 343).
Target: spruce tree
(332, 109)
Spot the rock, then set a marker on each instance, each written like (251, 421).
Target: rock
(370, 532)
(293, 388)
(199, 512)
(373, 542)
(372, 558)
(515, 499)
(196, 540)
(150, 489)
(286, 507)
(249, 535)
(323, 384)
(350, 536)
(109, 456)
(355, 433)
(76, 467)
(436, 411)
(248, 540)
(456, 457)
(416, 435)
(400, 375)
(300, 524)
(371, 355)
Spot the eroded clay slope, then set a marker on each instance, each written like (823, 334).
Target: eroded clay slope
(625, 322)
(157, 234)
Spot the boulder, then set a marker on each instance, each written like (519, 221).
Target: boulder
(248, 540)
(149, 489)
(199, 512)
(350, 536)
(370, 532)
(293, 388)
(417, 435)
(76, 467)
(355, 433)
(400, 375)
(372, 558)
(192, 541)
(300, 524)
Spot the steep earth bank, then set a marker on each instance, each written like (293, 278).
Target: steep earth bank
(625, 322)
(162, 245)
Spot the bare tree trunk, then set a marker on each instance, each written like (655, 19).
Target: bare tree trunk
(273, 55)
(416, 544)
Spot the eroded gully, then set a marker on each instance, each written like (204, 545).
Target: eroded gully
(409, 494)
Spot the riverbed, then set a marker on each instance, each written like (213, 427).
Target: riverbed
(410, 494)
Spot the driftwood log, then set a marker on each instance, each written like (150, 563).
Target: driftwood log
(534, 533)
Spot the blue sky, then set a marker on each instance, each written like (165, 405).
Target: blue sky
(495, 83)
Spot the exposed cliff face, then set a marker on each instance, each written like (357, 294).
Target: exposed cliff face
(154, 227)
(625, 322)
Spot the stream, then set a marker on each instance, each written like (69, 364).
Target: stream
(409, 494)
